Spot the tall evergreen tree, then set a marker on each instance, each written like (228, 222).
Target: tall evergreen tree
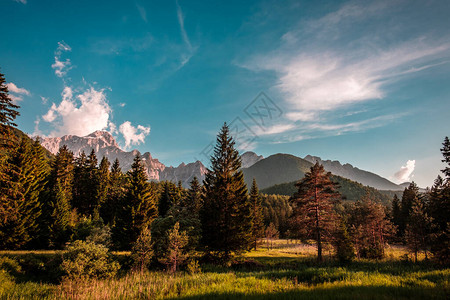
(418, 229)
(194, 197)
(410, 196)
(257, 215)
(80, 191)
(139, 206)
(115, 194)
(396, 212)
(313, 204)
(102, 183)
(445, 150)
(60, 217)
(225, 216)
(8, 113)
(28, 169)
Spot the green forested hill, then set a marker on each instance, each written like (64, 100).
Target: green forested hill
(351, 190)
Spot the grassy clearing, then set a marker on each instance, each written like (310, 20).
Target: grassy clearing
(288, 271)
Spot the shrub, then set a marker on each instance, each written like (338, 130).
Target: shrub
(85, 260)
(193, 267)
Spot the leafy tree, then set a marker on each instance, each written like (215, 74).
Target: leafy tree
(256, 210)
(176, 254)
(142, 251)
(225, 216)
(138, 208)
(313, 214)
(87, 260)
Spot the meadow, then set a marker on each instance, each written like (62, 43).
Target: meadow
(283, 270)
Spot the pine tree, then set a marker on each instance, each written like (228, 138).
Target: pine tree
(257, 216)
(80, 193)
(194, 197)
(60, 217)
(139, 207)
(418, 229)
(142, 250)
(57, 199)
(8, 113)
(176, 254)
(370, 227)
(396, 212)
(313, 214)
(115, 194)
(28, 169)
(410, 196)
(103, 183)
(225, 216)
(445, 150)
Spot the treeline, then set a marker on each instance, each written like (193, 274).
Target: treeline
(46, 204)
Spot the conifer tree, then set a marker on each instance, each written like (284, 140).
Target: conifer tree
(445, 150)
(396, 212)
(194, 197)
(8, 113)
(176, 254)
(80, 185)
(115, 194)
(257, 216)
(139, 206)
(103, 183)
(60, 217)
(418, 229)
(410, 196)
(225, 216)
(27, 169)
(313, 203)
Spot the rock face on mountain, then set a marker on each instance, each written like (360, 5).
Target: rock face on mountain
(355, 174)
(104, 144)
(250, 158)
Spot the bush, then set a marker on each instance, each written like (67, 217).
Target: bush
(86, 260)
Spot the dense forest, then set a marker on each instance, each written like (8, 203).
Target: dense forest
(63, 201)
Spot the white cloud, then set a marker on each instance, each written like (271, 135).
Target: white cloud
(61, 67)
(142, 12)
(79, 115)
(133, 135)
(405, 172)
(16, 93)
(44, 100)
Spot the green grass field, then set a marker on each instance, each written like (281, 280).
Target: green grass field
(287, 271)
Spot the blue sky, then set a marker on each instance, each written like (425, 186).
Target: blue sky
(362, 82)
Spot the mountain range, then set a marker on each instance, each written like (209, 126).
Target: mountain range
(275, 169)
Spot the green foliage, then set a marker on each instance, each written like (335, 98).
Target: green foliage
(138, 207)
(171, 195)
(225, 216)
(176, 254)
(419, 228)
(313, 205)
(351, 191)
(370, 228)
(277, 210)
(194, 201)
(8, 113)
(87, 260)
(142, 251)
(256, 212)
(342, 242)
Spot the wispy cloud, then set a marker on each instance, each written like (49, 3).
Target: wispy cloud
(15, 93)
(185, 57)
(328, 65)
(142, 12)
(21, 1)
(60, 66)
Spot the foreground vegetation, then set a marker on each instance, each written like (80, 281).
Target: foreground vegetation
(285, 271)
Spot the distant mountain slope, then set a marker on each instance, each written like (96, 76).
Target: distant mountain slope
(355, 174)
(250, 158)
(351, 190)
(275, 169)
(104, 144)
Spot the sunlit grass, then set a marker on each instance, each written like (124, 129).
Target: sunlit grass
(288, 270)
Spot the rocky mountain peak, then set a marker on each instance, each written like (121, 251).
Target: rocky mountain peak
(250, 158)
